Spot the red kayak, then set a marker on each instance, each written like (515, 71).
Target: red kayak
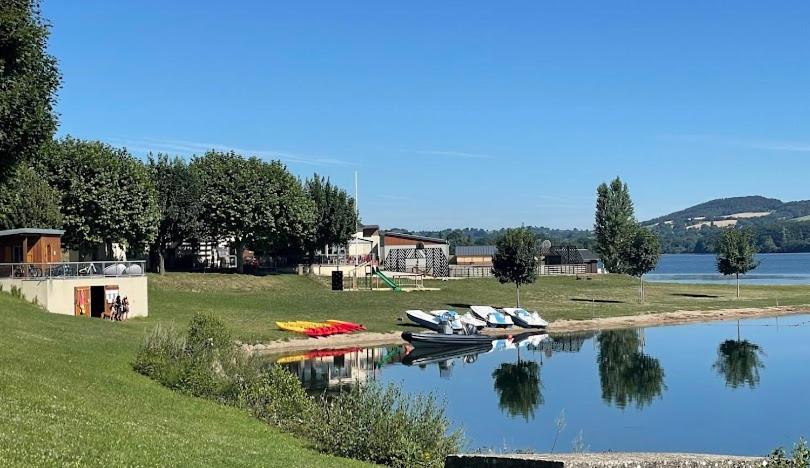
(348, 325)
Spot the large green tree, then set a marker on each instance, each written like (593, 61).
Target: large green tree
(736, 253)
(178, 204)
(614, 224)
(248, 202)
(516, 258)
(28, 201)
(641, 255)
(107, 195)
(29, 79)
(334, 212)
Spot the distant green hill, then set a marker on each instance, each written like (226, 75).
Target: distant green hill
(745, 210)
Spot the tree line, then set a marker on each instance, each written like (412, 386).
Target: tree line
(102, 195)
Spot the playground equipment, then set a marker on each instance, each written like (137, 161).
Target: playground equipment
(388, 281)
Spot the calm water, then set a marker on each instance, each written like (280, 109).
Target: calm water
(692, 388)
(793, 268)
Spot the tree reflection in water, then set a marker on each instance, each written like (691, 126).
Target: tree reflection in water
(519, 388)
(626, 374)
(738, 361)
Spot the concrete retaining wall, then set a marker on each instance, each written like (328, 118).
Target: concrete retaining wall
(600, 460)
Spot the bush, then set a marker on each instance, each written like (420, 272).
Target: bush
(383, 425)
(375, 424)
(800, 457)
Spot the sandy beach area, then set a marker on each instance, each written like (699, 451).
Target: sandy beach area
(559, 326)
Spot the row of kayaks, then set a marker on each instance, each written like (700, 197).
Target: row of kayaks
(319, 329)
(478, 317)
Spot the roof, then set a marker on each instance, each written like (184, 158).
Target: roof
(588, 256)
(31, 232)
(475, 250)
(434, 240)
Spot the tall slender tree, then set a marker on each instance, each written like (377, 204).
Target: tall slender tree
(335, 214)
(29, 79)
(736, 253)
(641, 255)
(614, 224)
(516, 258)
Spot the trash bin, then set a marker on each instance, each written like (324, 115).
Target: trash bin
(337, 281)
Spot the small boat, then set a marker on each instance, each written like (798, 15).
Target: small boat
(427, 340)
(492, 316)
(348, 325)
(470, 319)
(524, 318)
(434, 322)
(317, 329)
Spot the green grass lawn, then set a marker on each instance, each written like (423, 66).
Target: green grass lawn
(69, 397)
(251, 305)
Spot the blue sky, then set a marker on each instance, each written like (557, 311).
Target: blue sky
(457, 113)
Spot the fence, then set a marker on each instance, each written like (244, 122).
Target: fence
(482, 271)
(65, 270)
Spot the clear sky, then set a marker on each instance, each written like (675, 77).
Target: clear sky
(457, 113)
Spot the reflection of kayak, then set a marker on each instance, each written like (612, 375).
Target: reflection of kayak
(439, 340)
(291, 358)
(330, 352)
(422, 356)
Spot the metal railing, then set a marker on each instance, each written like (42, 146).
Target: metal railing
(481, 271)
(67, 270)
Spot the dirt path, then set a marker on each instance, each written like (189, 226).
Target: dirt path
(558, 326)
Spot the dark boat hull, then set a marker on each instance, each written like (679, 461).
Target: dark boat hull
(438, 340)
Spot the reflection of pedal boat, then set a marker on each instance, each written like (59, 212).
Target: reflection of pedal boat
(422, 356)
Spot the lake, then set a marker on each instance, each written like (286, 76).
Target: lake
(789, 268)
(690, 388)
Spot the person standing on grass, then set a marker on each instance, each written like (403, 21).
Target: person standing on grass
(125, 308)
(117, 308)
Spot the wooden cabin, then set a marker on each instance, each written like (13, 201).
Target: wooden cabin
(30, 245)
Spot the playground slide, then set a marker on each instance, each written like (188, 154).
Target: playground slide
(388, 281)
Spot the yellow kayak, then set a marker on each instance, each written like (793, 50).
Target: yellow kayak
(299, 326)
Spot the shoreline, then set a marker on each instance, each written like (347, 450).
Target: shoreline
(657, 319)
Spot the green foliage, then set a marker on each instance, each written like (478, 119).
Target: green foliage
(581, 238)
(715, 209)
(738, 361)
(250, 202)
(642, 252)
(178, 204)
(373, 424)
(518, 387)
(799, 457)
(385, 426)
(29, 79)
(736, 253)
(515, 260)
(107, 195)
(335, 214)
(614, 224)
(27, 201)
(626, 374)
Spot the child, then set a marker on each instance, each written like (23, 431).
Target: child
(125, 308)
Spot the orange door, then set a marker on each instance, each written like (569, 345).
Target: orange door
(81, 299)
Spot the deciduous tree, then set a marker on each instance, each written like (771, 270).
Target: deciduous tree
(516, 258)
(27, 201)
(614, 224)
(641, 255)
(29, 79)
(736, 253)
(178, 202)
(107, 195)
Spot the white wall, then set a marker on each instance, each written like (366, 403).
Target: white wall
(57, 295)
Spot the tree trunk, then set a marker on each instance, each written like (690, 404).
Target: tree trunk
(517, 294)
(161, 262)
(738, 285)
(641, 290)
(240, 262)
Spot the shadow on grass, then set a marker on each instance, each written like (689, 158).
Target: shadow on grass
(460, 306)
(598, 301)
(707, 296)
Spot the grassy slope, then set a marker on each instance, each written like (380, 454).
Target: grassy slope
(251, 305)
(68, 396)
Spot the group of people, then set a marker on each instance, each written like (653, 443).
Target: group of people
(120, 308)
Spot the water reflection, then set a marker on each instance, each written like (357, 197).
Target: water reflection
(519, 388)
(738, 361)
(626, 374)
